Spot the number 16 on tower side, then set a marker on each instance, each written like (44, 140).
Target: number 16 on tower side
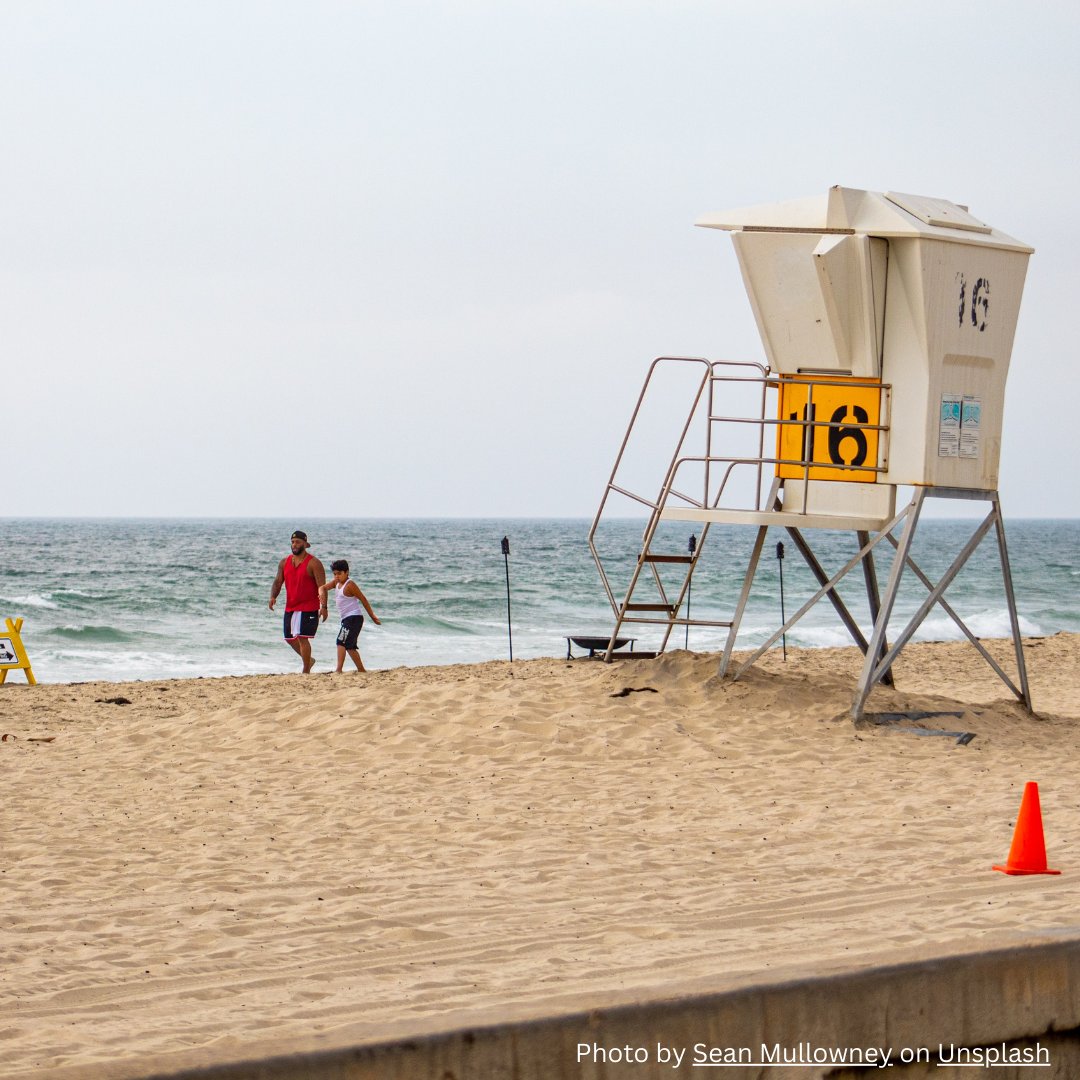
(829, 428)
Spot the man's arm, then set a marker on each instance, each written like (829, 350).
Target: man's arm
(315, 569)
(278, 582)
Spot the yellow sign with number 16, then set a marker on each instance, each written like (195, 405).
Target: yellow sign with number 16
(831, 425)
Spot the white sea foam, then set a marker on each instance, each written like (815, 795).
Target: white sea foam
(819, 637)
(30, 600)
(983, 624)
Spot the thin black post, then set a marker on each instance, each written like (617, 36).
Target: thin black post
(506, 560)
(783, 617)
(691, 547)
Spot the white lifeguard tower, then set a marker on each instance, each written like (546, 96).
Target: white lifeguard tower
(887, 322)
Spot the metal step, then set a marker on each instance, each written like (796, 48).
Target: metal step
(668, 608)
(724, 624)
(650, 558)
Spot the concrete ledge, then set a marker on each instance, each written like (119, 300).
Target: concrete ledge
(946, 1012)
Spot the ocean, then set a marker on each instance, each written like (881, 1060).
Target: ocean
(177, 598)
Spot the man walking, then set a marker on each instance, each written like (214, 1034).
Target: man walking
(302, 575)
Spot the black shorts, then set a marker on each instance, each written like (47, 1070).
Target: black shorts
(300, 624)
(349, 634)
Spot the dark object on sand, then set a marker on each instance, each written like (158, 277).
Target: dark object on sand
(888, 719)
(594, 644)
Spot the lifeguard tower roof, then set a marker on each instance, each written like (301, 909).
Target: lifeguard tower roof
(887, 214)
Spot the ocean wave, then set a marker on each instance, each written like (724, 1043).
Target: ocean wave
(102, 634)
(425, 594)
(432, 622)
(78, 594)
(819, 637)
(983, 624)
(992, 623)
(31, 600)
(74, 664)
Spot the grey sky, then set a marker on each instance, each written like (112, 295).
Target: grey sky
(404, 258)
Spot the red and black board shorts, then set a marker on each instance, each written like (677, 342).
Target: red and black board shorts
(300, 624)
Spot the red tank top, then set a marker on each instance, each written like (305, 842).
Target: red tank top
(301, 592)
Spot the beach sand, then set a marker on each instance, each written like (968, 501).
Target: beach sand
(222, 868)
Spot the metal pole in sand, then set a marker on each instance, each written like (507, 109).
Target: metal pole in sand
(691, 546)
(506, 560)
(783, 617)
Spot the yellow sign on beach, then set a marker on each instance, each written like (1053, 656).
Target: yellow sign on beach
(12, 654)
(828, 424)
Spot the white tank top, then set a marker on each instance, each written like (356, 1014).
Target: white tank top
(346, 605)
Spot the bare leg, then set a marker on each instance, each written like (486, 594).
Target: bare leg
(354, 655)
(294, 644)
(304, 649)
(340, 658)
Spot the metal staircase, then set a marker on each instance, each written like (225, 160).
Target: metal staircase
(743, 488)
(666, 601)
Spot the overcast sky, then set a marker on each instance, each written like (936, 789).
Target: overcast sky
(414, 258)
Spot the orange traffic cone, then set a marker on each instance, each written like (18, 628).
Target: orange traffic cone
(1028, 852)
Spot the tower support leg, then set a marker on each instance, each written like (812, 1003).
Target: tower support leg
(872, 660)
(838, 604)
(879, 659)
(873, 593)
(1014, 618)
(740, 607)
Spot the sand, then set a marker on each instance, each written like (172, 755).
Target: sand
(221, 868)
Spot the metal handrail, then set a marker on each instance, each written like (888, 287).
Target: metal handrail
(714, 375)
(612, 486)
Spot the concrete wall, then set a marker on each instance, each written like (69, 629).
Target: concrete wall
(980, 1007)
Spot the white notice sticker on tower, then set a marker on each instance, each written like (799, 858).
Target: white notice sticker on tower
(949, 426)
(970, 419)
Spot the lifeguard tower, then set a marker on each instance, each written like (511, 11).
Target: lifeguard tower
(887, 322)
